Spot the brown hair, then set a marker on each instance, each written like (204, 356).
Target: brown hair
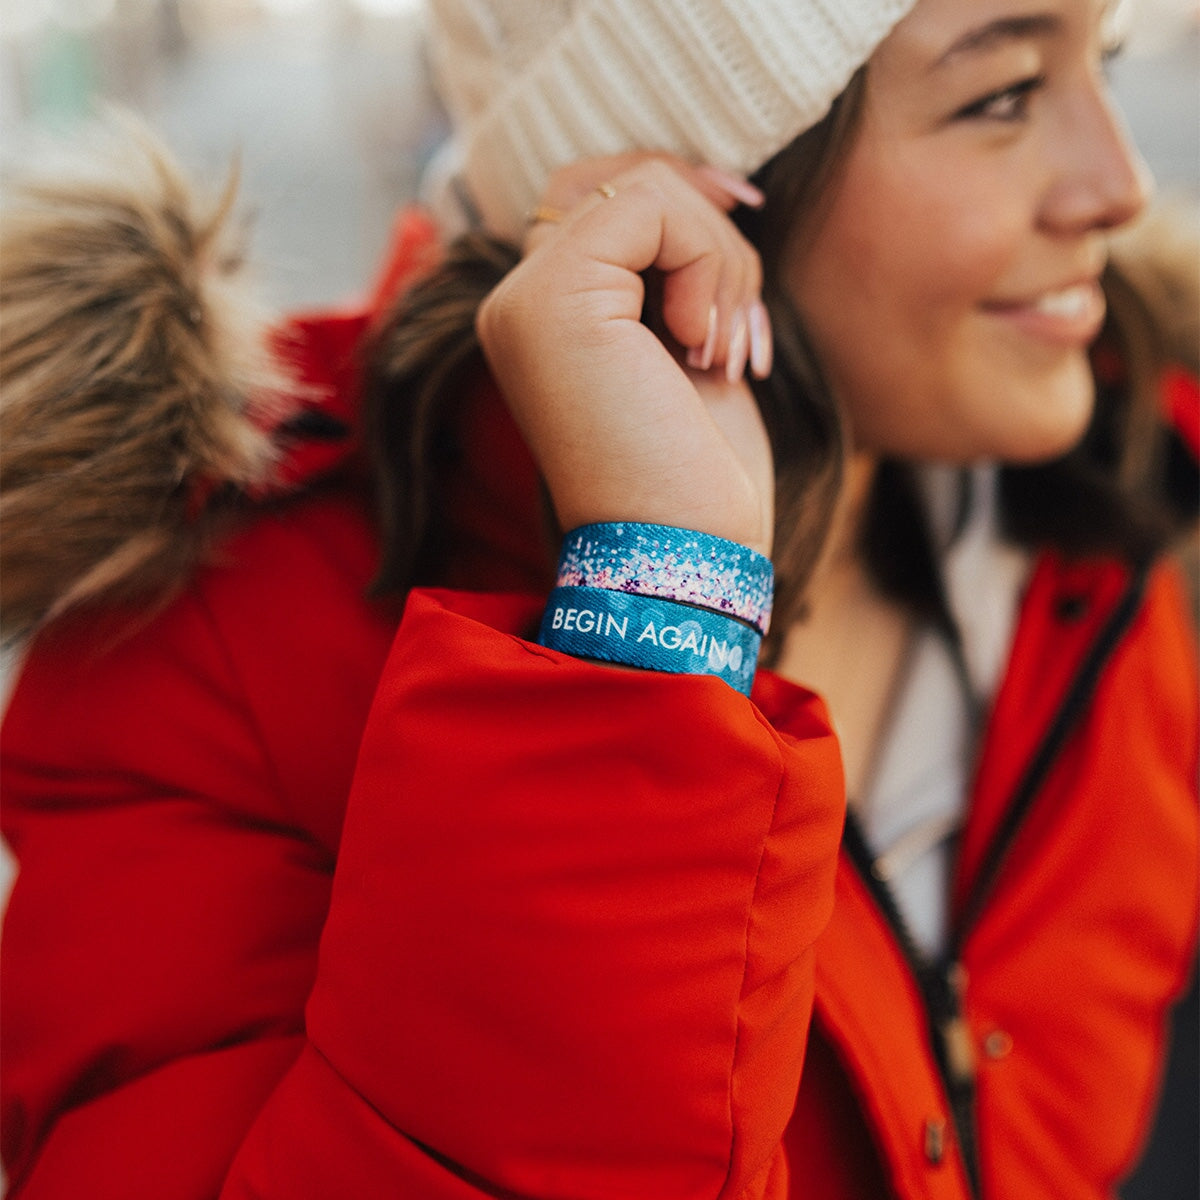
(419, 365)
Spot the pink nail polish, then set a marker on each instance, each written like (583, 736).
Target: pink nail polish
(738, 188)
(709, 349)
(761, 341)
(739, 345)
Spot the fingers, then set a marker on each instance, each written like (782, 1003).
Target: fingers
(575, 182)
(736, 329)
(597, 382)
(653, 215)
(723, 189)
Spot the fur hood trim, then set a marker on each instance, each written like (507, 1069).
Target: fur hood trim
(135, 375)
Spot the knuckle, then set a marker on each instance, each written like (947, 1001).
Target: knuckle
(568, 185)
(652, 175)
(749, 263)
(755, 268)
(484, 321)
(660, 174)
(494, 315)
(511, 309)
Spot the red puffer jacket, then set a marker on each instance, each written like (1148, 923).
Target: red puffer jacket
(579, 931)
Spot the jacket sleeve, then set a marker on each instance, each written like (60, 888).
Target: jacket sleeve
(160, 938)
(569, 945)
(567, 950)
(173, 789)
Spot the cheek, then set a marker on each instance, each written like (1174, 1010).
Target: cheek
(892, 290)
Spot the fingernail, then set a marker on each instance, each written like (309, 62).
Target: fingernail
(707, 352)
(738, 188)
(739, 341)
(762, 350)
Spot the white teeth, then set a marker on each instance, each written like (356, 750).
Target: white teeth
(1071, 302)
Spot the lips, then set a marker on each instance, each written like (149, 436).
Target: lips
(1069, 316)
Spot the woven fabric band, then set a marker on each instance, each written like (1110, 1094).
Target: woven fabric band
(644, 631)
(671, 564)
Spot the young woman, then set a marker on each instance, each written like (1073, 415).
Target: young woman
(592, 921)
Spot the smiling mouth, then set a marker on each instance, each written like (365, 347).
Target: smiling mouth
(1072, 302)
(1069, 316)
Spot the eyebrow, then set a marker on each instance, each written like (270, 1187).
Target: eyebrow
(1004, 29)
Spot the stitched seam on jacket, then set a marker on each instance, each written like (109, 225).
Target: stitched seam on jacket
(737, 1032)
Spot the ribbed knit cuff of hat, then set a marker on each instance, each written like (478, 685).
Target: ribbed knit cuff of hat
(726, 82)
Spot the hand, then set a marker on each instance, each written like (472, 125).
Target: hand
(622, 427)
(575, 182)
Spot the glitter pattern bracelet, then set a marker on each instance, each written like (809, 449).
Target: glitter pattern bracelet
(652, 633)
(671, 564)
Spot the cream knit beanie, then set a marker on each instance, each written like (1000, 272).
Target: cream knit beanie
(535, 84)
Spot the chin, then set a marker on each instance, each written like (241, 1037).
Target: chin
(1018, 417)
(1055, 416)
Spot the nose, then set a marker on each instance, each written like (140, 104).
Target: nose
(1103, 182)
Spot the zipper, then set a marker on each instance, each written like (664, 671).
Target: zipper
(941, 986)
(942, 983)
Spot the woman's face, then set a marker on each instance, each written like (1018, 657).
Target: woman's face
(950, 284)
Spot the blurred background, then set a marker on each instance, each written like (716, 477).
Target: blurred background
(328, 105)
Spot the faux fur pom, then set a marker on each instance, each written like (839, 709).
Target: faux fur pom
(134, 372)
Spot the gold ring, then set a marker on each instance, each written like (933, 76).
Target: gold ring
(606, 190)
(544, 212)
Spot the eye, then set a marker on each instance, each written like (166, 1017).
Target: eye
(1008, 104)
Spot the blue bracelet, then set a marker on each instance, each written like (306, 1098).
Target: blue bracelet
(645, 631)
(672, 564)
